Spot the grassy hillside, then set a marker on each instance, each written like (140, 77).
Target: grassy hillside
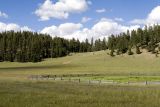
(97, 62)
(17, 91)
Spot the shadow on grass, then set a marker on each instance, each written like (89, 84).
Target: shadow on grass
(38, 67)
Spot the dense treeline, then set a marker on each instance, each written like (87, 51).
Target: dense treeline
(147, 38)
(34, 47)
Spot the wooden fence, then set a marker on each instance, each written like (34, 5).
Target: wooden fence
(79, 79)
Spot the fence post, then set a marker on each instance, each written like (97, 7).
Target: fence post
(146, 82)
(48, 77)
(79, 80)
(113, 81)
(99, 82)
(54, 78)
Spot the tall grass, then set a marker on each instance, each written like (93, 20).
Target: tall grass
(17, 91)
(50, 94)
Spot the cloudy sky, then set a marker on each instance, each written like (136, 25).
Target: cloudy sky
(78, 18)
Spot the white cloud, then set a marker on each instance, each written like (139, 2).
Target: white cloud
(106, 27)
(69, 28)
(103, 28)
(152, 18)
(26, 28)
(62, 30)
(85, 19)
(4, 15)
(13, 26)
(138, 21)
(101, 10)
(52, 30)
(118, 19)
(60, 9)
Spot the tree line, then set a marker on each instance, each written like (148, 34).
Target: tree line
(147, 38)
(34, 47)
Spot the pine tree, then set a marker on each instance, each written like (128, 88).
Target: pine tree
(130, 51)
(104, 44)
(92, 44)
(112, 53)
(138, 50)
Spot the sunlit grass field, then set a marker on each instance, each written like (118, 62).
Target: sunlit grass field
(82, 63)
(16, 90)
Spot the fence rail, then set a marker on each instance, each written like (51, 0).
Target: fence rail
(78, 79)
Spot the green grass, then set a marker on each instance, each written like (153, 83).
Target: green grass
(51, 94)
(99, 62)
(17, 91)
(116, 78)
(126, 78)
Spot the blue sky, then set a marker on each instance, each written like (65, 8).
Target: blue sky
(22, 13)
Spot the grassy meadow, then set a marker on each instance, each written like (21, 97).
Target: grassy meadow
(59, 94)
(81, 63)
(17, 91)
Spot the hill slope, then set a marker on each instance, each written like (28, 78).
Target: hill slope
(97, 62)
